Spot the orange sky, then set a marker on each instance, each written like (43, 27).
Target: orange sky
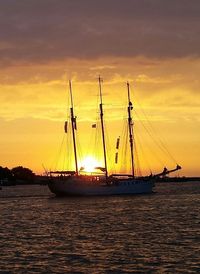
(34, 82)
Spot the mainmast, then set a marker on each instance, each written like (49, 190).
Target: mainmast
(102, 126)
(73, 123)
(130, 127)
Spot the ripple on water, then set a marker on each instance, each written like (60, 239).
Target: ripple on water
(132, 234)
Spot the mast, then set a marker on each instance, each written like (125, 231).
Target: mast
(102, 126)
(130, 127)
(73, 123)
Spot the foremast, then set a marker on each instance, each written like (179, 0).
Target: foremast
(130, 128)
(102, 127)
(73, 125)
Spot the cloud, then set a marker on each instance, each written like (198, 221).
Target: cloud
(49, 30)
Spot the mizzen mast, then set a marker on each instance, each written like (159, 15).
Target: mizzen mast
(130, 128)
(102, 126)
(73, 124)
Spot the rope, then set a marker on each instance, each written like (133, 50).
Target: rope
(137, 141)
(146, 129)
(161, 145)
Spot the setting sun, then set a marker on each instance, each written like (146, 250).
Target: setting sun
(89, 164)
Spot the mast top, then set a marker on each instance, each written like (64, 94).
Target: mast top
(70, 89)
(128, 88)
(100, 89)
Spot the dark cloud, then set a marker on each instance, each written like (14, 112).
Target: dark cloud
(47, 30)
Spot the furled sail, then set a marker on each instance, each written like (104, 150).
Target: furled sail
(65, 126)
(117, 144)
(116, 157)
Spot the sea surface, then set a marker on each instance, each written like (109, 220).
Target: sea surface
(157, 233)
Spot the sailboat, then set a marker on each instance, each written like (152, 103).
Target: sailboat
(75, 183)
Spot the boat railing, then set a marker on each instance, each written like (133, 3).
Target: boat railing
(61, 173)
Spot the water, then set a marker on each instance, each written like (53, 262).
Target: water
(157, 233)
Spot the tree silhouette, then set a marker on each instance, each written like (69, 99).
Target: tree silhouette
(23, 173)
(5, 173)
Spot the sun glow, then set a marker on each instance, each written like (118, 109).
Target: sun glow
(89, 163)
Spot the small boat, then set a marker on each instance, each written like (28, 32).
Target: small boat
(75, 183)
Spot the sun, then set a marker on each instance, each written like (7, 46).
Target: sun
(89, 163)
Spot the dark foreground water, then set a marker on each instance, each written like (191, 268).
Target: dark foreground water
(157, 233)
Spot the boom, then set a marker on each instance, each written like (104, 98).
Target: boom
(166, 171)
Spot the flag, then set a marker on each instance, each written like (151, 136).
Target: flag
(74, 123)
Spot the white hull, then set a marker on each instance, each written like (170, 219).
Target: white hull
(74, 186)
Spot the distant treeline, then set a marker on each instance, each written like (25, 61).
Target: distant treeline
(177, 179)
(24, 175)
(16, 174)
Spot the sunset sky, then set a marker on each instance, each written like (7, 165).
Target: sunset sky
(154, 44)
